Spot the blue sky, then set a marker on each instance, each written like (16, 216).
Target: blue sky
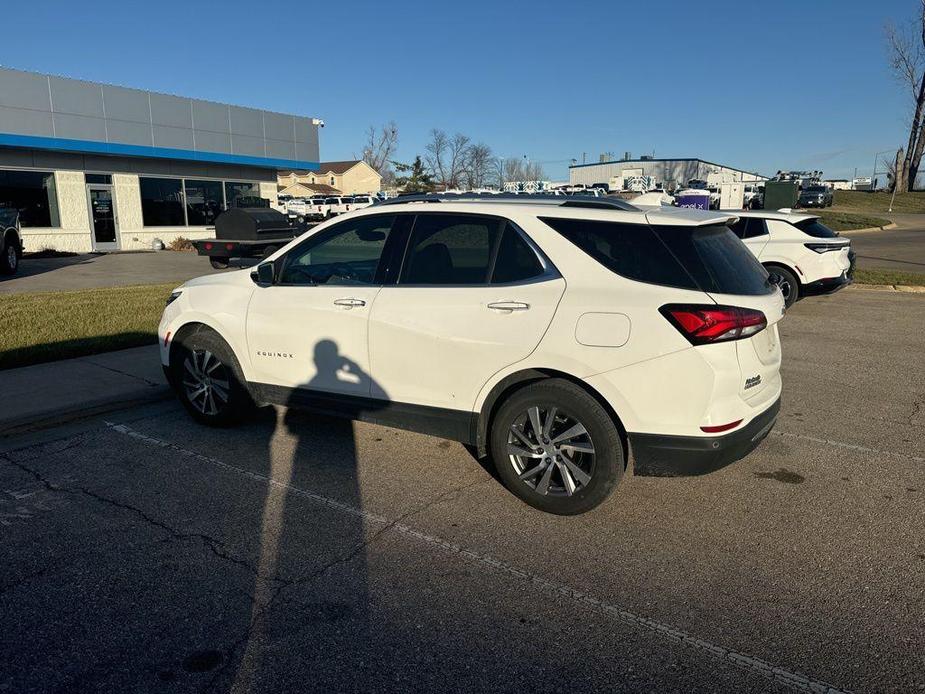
(762, 86)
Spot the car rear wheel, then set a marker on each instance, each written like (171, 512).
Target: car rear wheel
(788, 283)
(219, 262)
(207, 378)
(556, 448)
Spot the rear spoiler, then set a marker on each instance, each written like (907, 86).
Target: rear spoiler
(683, 216)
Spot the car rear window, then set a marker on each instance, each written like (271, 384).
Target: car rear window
(815, 228)
(361, 200)
(331, 201)
(708, 258)
(717, 260)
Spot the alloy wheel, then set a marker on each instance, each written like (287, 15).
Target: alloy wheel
(205, 381)
(783, 284)
(551, 451)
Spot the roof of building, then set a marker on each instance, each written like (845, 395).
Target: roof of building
(660, 159)
(320, 188)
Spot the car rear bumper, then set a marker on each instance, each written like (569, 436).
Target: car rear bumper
(828, 285)
(660, 455)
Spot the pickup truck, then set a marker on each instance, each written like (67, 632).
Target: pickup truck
(10, 241)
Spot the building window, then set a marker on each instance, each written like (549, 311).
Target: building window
(204, 201)
(241, 194)
(162, 202)
(105, 179)
(33, 194)
(332, 181)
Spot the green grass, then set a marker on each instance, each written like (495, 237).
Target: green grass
(860, 201)
(909, 279)
(845, 221)
(45, 326)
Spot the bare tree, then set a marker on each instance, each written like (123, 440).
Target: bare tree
(458, 156)
(512, 170)
(533, 171)
(479, 165)
(435, 159)
(380, 146)
(907, 60)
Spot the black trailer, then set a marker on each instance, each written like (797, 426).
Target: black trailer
(247, 232)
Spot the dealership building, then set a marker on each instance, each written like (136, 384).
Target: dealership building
(95, 167)
(670, 173)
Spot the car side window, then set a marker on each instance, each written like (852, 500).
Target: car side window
(516, 260)
(347, 254)
(755, 227)
(450, 249)
(749, 227)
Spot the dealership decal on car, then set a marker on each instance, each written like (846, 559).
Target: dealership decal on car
(752, 382)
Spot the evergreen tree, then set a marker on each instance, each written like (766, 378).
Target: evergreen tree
(413, 178)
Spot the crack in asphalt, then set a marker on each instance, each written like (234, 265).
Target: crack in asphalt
(212, 544)
(343, 559)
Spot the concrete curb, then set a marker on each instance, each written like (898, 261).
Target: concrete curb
(29, 424)
(867, 230)
(902, 288)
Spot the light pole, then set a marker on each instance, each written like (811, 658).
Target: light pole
(874, 174)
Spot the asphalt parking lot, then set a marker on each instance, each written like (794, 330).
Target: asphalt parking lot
(141, 552)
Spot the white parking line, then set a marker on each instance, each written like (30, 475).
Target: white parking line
(779, 675)
(848, 446)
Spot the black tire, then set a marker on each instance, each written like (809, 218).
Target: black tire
(192, 364)
(9, 259)
(269, 250)
(219, 262)
(601, 470)
(788, 283)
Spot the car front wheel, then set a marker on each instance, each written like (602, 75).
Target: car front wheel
(9, 261)
(207, 378)
(556, 448)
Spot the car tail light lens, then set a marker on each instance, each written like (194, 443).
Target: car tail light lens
(208, 246)
(825, 247)
(706, 324)
(719, 428)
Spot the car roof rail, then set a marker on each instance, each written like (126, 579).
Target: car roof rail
(548, 199)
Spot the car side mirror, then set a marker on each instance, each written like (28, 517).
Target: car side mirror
(264, 274)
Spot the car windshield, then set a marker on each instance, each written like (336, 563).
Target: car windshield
(815, 228)
(815, 189)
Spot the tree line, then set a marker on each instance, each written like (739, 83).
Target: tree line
(448, 162)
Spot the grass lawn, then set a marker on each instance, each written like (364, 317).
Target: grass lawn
(44, 326)
(879, 202)
(844, 221)
(909, 279)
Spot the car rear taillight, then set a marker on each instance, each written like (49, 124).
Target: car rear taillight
(705, 324)
(825, 247)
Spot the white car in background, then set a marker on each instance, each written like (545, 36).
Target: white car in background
(362, 201)
(559, 335)
(801, 254)
(318, 208)
(338, 205)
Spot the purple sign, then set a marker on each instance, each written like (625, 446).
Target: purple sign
(699, 201)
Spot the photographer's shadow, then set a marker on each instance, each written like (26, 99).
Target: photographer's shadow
(309, 451)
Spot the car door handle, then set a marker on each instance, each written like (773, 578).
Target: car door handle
(349, 303)
(508, 306)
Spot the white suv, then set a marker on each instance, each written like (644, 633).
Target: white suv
(802, 255)
(559, 335)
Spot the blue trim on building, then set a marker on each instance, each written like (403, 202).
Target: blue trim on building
(115, 148)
